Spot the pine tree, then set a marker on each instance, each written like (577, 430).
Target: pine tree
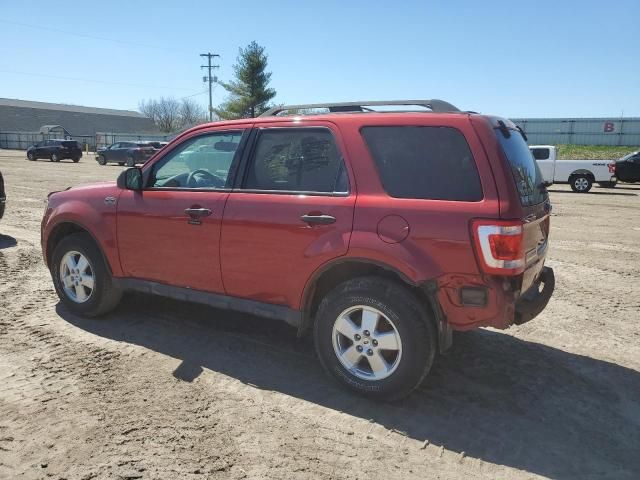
(249, 92)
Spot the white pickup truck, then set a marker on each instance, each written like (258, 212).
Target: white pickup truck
(580, 174)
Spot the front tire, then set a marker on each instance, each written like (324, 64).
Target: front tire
(374, 337)
(102, 160)
(55, 157)
(81, 277)
(581, 183)
(31, 156)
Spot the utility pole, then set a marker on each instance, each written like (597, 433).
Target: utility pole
(209, 78)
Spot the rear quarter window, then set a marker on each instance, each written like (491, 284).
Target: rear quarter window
(432, 163)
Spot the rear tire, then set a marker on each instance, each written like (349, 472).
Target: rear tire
(90, 298)
(131, 162)
(102, 160)
(581, 183)
(55, 157)
(76, 159)
(400, 321)
(121, 164)
(608, 184)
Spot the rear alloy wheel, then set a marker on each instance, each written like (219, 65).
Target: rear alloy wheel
(581, 184)
(131, 162)
(375, 337)
(81, 277)
(54, 157)
(31, 156)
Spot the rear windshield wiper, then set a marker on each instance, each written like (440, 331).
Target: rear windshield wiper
(524, 135)
(503, 129)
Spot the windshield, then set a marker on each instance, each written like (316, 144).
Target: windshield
(628, 156)
(524, 168)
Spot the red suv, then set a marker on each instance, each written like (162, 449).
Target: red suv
(379, 231)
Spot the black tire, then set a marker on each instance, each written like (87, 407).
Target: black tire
(55, 157)
(76, 159)
(105, 296)
(608, 184)
(411, 320)
(581, 183)
(121, 164)
(131, 162)
(31, 156)
(101, 160)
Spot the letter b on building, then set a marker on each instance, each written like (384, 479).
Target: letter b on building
(609, 127)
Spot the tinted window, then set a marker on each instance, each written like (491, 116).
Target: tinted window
(209, 156)
(70, 143)
(524, 168)
(300, 160)
(540, 153)
(424, 162)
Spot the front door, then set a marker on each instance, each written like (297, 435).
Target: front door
(292, 213)
(170, 232)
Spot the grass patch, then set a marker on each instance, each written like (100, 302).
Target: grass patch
(593, 152)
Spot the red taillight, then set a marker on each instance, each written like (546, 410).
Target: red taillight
(612, 168)
(499, 246)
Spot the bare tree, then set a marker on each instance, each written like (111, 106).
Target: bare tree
(171, 115)
(191, 113)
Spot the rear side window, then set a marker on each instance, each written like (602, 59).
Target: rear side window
(524, 168)
(71, 144)
(298, 160)
(424, 162)
(540, 153)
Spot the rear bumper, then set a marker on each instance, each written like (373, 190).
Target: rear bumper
(534, 300)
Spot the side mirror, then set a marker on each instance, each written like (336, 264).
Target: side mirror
(130, 179)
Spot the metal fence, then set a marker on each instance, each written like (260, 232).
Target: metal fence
(581, 131)
(23, 140)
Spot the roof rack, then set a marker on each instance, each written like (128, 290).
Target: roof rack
(435, 106)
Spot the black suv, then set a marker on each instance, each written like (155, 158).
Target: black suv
(3, 196)
(55, 150)
(628, 168)
(128, 153)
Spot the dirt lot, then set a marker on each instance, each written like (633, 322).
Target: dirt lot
(162, 389)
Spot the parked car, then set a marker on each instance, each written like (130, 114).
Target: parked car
(125, 153)
(55, 150)
(157, 145)
(579, 174)
(380, 232)
(628, 168)
(3, 196)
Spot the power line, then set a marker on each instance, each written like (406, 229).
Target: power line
(209, 78)
(96, 37)
(140, 85)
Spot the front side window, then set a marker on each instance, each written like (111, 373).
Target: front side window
(433, 163)
(540, 153)
(200, 162)
(297, 160)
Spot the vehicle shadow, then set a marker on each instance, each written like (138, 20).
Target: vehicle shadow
(592, 192)
(495, 397)
(7, 241)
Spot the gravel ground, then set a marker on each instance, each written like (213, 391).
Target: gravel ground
(163, 389)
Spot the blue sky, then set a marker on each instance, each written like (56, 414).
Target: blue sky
(535, 58)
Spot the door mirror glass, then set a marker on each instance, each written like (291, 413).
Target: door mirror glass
(131, 179)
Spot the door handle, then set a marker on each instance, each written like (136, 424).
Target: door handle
(198, 212)
(318, 219)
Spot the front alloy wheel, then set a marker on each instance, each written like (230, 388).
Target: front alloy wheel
(77, 277)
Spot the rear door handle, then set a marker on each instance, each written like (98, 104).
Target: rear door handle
(198, 212)
(318, 219)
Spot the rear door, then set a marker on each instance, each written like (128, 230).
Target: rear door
(291, 212)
